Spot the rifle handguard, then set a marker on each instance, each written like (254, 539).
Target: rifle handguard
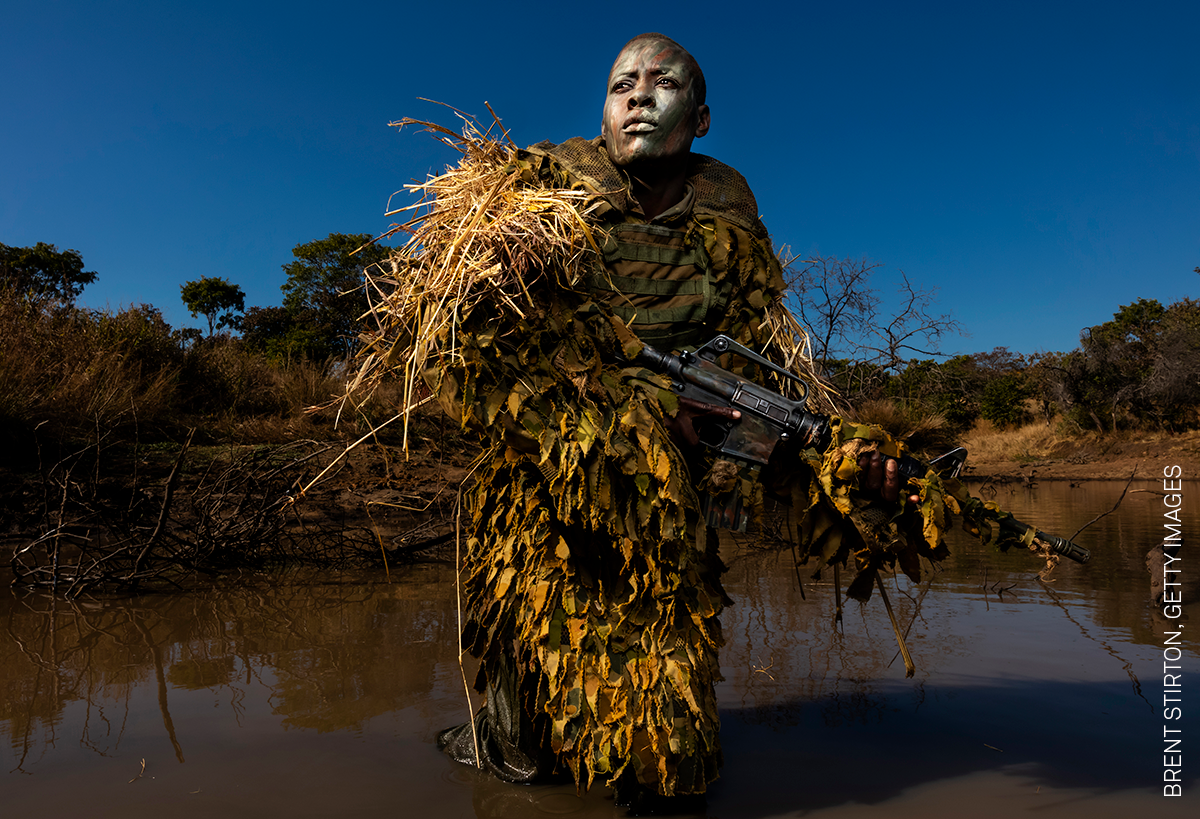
(911, 467)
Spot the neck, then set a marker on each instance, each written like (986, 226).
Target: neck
(660, 186)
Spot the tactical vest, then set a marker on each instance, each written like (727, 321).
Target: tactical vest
(658, 278)
(660, 286)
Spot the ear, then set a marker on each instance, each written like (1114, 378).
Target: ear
(702, 120)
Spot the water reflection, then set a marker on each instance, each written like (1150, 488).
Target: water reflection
(330, 655)
(317, 695)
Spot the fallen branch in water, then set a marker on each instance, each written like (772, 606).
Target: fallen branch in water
(1110, 511)
(91, 527)
(139, 776)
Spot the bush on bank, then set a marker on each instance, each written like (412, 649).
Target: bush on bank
(73, 374)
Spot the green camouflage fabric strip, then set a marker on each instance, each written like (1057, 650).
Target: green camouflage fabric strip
(582, 544)
(825, 499)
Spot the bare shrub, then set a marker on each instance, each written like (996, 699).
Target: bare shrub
(212, 512)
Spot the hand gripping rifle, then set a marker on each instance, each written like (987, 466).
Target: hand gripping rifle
(769, 419)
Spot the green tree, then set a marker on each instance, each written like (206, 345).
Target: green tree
(1003, 400)
(43, 271)
(1173, 384)
(324, 293)
(276, 332)
(1143, 368)
(262, 326)
(215, 299)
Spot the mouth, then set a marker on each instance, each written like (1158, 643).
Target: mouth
(639, 126)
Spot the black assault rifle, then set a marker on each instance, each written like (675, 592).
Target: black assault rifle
(769, 419)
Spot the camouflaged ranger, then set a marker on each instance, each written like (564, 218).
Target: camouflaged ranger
(592, 602)
(592, 585)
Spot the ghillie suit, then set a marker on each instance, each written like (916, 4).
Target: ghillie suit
(592, 589)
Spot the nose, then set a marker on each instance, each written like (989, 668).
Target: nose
(642, 96)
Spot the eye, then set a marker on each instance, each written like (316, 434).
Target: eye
(621, 85)
(668, 82)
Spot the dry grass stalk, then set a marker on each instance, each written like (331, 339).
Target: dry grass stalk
(479, 234)
(786, 335)
(476, 234)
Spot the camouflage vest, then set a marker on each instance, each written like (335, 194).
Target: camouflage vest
(658, 276)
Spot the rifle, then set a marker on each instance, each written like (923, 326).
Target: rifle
(769, 420)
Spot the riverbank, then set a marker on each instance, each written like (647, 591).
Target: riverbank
(1040, 452)
(118, 515)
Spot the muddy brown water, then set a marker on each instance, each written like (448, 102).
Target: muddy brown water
(310, 694)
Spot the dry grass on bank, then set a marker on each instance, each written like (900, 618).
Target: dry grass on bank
(1058, 453)
(72, 374)
(1032, 442)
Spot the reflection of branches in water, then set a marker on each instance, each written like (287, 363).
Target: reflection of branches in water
(67, 658)
(780, 663)
(756, 623)
(161, 680)
(86, 737)
(1000, 590)
(91, 684)
(302, 673)
(853, 698)
(934, 569)
(26, 734)
(1125, 664)
(327, 656)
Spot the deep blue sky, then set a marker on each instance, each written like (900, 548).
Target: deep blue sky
(1038, 163)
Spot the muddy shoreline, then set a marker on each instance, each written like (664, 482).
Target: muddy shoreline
(1097, 458)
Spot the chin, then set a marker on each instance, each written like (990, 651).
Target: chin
(638, 156)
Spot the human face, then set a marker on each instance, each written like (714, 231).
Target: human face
(650, 114)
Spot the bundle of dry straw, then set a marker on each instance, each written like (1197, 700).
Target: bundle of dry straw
(476, 233)
(788, 338)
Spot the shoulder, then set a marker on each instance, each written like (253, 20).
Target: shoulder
(584, 161)
(721, 191)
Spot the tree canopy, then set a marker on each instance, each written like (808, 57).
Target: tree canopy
(324, 295)
(1143, 366)
(44, 272)
(215, 299)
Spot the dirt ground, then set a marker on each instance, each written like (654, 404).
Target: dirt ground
(1100, 458)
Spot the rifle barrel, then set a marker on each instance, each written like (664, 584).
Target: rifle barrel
(1058, 545)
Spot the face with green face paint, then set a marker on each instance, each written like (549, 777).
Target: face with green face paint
(651, 114)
